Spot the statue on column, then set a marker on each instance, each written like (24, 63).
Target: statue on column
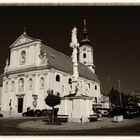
(75, 45)
(74, 42)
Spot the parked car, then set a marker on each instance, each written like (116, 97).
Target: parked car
(31, 113)
(1, 115)
(104, 112)
(127, 112)
(116, 112)
(39, 113)
(45, 112)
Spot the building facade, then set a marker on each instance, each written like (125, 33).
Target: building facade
(34, 68)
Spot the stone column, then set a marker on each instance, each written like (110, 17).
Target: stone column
(74, 45)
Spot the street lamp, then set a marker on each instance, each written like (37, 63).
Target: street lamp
(120, 93)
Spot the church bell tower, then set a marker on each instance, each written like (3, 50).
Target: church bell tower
(86, 50)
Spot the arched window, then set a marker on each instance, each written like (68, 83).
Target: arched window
(41, 83)
(12, 86)
(22, 58)
(21, 85)
(58, 78)
(70, 81)
(30, 83)
(95, 87)
(84, 55)
(89, 85)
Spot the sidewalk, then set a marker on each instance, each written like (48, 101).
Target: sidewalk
(105, 123)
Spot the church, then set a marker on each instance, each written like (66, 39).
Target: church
(34, 69)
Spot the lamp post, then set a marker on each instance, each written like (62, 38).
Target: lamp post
(120, 93)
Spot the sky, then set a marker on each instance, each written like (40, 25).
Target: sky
(114, 32)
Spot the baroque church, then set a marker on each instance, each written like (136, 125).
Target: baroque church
(35, 68)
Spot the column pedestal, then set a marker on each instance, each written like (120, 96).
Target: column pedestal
(78, 108)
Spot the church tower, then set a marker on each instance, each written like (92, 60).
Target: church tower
(86, 50)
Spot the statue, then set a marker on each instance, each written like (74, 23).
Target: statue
(12, 86)
(6, 66)
(43, 57)
(30, 83)
(63, 89)
(79, 86)
(21, 85)
(22, 57)
(6, 87)
(87, 89)
(74, 42)
(41, 82)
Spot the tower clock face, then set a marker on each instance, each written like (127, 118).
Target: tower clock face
(84, 49)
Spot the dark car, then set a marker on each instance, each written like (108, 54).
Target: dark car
(46, 112)
(1, 115)
(119, 111)
(127, 112)
(31, 113)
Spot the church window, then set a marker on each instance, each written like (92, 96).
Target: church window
(41, 83)
(84, 62)
(21, 85)
(12, 86)
(95, 87)
(89, 85)
(70, 81)
(30, 83)
(84, 55)
(52, 56)
(22, 58)
(58, 78)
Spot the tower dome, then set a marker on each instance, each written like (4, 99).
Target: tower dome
(86, 50)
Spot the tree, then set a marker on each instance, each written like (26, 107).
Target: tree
(52, 100)
(114, 97)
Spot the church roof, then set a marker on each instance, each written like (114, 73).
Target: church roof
(62, 62)
(56, 59)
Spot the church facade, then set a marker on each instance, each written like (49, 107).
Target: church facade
(35, 68)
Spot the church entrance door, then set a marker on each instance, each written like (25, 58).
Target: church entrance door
(20, 105)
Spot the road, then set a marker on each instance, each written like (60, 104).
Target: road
(9, 127)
